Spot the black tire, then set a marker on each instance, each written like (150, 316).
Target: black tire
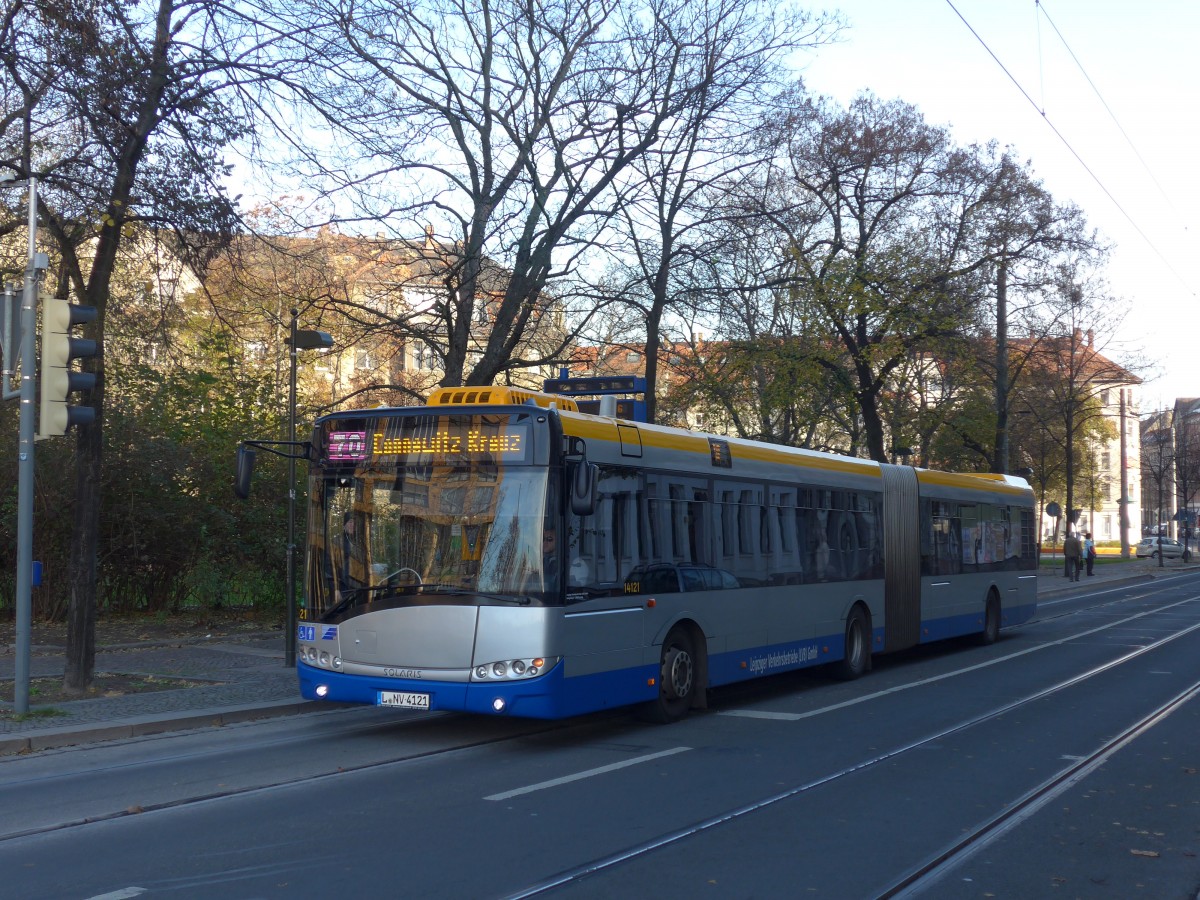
(1154, 555)
(857, 660)
(991, 621)
(677, 674)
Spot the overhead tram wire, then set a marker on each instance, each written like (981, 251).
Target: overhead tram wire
(1024, 93)
(1041, 6)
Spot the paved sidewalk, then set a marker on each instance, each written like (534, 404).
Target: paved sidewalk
(242, 678)
(245, 678)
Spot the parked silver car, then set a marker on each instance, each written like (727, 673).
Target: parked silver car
(1150, 546)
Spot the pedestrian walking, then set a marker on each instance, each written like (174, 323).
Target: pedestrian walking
(1089, 551)
(1073, 551)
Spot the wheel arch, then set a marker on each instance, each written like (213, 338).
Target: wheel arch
(699, 640)
(861, 603)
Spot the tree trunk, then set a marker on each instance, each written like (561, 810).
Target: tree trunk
(81, 613)
(868, 403)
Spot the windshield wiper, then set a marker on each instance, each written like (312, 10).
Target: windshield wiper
(456, 591)
(355, 595)
(348, 603)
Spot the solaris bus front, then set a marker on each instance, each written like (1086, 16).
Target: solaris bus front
(433, 579)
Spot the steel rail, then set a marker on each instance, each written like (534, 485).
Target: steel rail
(632, 853)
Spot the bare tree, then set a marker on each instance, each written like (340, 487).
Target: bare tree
(1072, 368)
(520, 125)
(1158, 462)
(893, 237)
(703, 151)
(120, 115)
(1187, 465)
(1030, 233)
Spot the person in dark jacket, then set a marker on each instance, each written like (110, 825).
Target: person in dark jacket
(1073, 551)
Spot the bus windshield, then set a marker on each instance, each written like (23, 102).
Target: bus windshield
(407, 533)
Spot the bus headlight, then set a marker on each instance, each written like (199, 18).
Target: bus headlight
(513, 669)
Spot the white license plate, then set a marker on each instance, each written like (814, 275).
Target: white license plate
(404, 699)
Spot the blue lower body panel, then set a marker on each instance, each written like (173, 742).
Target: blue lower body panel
(972, 623)
(554, 695)
(548, 696)
(742, 665)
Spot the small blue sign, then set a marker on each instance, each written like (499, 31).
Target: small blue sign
(307, 632)
(330, 633)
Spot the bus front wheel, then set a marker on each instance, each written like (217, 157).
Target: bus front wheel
(677, 678)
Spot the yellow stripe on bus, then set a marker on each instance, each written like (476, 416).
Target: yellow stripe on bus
(698, 444)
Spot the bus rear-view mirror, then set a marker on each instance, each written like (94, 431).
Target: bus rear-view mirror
(245, 472)
(583, 488)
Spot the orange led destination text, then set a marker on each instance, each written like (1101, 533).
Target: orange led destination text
(471, 443)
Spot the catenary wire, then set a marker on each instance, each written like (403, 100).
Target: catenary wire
(1041, 6)
(1024, 93)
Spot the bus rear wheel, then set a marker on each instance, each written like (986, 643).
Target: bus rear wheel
(677, 678)
(857, 658)
(991, 621)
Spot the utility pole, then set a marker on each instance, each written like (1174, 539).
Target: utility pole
(25, 459)
(1123, 506)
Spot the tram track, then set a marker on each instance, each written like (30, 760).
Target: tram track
(281, 784)
(912, 883)
(593, 723)
(976, 837)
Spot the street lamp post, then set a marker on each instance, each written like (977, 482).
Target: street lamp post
(298, 339)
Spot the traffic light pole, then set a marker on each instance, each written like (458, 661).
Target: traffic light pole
(25, 459)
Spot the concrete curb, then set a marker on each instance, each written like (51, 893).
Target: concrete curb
(143, 726)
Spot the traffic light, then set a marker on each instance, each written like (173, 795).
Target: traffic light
(58, 379)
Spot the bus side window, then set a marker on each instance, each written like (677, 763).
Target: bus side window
(692, 579)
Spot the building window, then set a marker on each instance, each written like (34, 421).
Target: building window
(363, 359)
(423, 357)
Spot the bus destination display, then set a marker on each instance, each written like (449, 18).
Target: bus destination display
(473, 439)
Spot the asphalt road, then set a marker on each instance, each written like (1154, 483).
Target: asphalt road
(1061, 761)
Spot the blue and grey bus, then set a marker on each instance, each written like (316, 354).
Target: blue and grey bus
(498, 551)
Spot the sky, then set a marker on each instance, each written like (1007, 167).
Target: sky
(1101, 97)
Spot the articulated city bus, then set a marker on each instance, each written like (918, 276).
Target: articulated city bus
(497, 551)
